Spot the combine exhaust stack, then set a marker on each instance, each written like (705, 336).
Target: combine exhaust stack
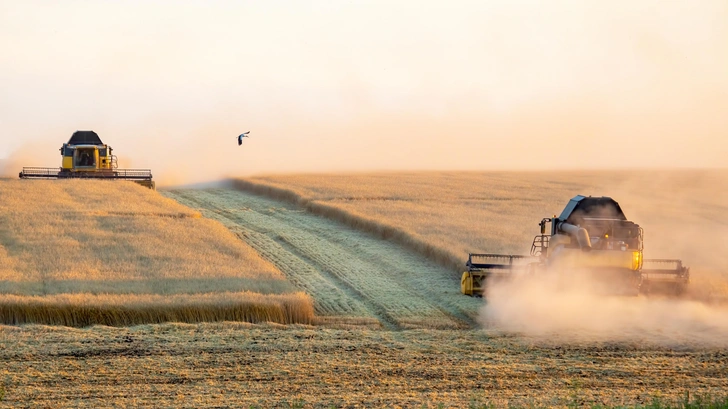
(86, 157)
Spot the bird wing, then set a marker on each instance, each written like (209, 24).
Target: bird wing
(241, 136)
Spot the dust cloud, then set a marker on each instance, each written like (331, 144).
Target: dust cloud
(538, 307)
(33, 153)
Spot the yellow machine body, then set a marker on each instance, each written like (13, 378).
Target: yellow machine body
(575, 258)
(467, 286)
(566, 256)
(67, 163)
(87, 158)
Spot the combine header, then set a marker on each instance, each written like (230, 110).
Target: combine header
(591, 238)
(86, 157)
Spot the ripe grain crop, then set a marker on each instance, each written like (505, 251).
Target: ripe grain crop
(446, 215)
(82, 310)
(79, 245)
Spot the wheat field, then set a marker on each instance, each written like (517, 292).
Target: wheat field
(340, 363)
(78, 252)
(446, 215)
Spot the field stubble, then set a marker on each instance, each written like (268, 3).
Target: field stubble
(244, 365)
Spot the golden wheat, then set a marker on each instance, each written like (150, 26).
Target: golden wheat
(96, 231)
(267, 365)
(446, 215)
(101, 238)
(81, 310)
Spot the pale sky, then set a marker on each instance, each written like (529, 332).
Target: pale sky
(366, 85)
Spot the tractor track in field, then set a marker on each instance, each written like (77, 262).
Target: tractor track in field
(301, 272)
(349, 274)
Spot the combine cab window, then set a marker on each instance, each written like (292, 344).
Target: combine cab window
(102, 153)
(85, 157)
(67, 151)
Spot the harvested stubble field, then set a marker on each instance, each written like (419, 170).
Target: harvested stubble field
(438, 348)
(234, 365)
(97, 252)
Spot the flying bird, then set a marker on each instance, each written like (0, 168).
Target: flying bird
(241, 136)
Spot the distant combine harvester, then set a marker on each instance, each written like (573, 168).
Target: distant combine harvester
(86, 157)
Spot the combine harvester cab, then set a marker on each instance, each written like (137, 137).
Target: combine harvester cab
(591, 241)
(85, 156)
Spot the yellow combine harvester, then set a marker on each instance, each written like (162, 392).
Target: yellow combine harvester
(85, 156)
(591, 239)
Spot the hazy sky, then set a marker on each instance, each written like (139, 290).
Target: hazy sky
(367, 85)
